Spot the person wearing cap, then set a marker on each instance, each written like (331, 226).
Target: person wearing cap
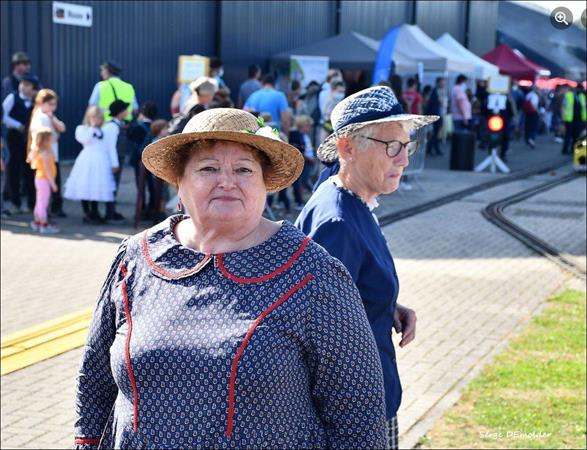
(21, 66)
(17, 108)
(221, 328)
(115, 137)
(372, 143)
(112, 88)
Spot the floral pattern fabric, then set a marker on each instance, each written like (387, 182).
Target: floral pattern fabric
(264, 347)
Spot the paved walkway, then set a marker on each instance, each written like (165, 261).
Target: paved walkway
(472, 285)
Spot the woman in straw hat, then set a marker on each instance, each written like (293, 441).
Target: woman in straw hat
(371, 142)
(221, 328)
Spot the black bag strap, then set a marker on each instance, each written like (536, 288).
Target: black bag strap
(113, 90)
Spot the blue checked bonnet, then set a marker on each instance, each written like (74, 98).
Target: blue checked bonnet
(373, 105)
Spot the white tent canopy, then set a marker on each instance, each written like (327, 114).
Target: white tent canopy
(403, 63)
(483, 69)
(413, 44)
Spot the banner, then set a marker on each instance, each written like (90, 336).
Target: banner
(308, 68)
(191, 67)
(384, 55)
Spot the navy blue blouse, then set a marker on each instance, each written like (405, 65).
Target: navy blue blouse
(346, 228)
(265, 347)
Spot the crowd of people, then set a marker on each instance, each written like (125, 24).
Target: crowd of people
(211, 362)
(116, 129)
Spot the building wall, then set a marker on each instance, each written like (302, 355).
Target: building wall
(482, 26)
(135, 34)
(146, 37)
(438, 17)
(374, 18)
(251, 32)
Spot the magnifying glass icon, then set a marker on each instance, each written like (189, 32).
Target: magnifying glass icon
(561, 17)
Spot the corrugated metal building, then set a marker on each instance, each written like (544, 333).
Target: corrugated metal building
(147, 36)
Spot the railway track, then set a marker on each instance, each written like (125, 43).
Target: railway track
(494, 213)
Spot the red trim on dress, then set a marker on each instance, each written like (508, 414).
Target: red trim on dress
(167, 273)
(82, 441)
(245, 342)
(131, 376)
(270, 275)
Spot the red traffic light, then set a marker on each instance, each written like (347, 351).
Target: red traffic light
(495, 123)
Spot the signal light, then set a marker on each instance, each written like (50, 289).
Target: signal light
(495, 123)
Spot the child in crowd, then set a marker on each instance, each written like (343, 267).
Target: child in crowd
(92, 177)
(139, 136)
(43, 116)
(4, 157)
(115, 136)
(300, 138)
(42, 161)
(159, 130)
(16, 115)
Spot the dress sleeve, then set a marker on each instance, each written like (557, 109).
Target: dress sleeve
(84, 135)
(95, 387)
(340, 241)
(345, 367)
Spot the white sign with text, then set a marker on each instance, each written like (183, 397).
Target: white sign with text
(70, 14)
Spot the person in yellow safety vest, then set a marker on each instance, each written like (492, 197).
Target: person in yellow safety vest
(574, 115)
(113, 88)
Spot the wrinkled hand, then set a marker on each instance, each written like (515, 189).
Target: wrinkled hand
(54, 187)
(404, 322)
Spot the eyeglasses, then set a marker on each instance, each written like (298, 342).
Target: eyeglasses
(393, 148)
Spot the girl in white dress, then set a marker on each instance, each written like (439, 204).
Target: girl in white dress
(92, 179)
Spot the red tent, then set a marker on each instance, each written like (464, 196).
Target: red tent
(511, 62)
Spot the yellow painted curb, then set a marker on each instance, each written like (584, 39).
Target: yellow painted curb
(44, 341)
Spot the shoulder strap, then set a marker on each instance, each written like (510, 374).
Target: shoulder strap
(113, 90)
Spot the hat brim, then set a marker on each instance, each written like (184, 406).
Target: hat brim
(286, 161)
(115, 113)
(328, 153)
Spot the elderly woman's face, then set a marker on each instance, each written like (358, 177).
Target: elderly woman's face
(223, 183)
(377, 170)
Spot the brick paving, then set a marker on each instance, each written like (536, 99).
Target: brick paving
(563, 207)
(472, 285)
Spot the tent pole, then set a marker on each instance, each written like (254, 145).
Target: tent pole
(414, 12)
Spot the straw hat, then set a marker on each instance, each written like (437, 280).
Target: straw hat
(228, 124)
(374, 105)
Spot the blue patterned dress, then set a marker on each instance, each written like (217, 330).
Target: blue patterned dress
(264, 347)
